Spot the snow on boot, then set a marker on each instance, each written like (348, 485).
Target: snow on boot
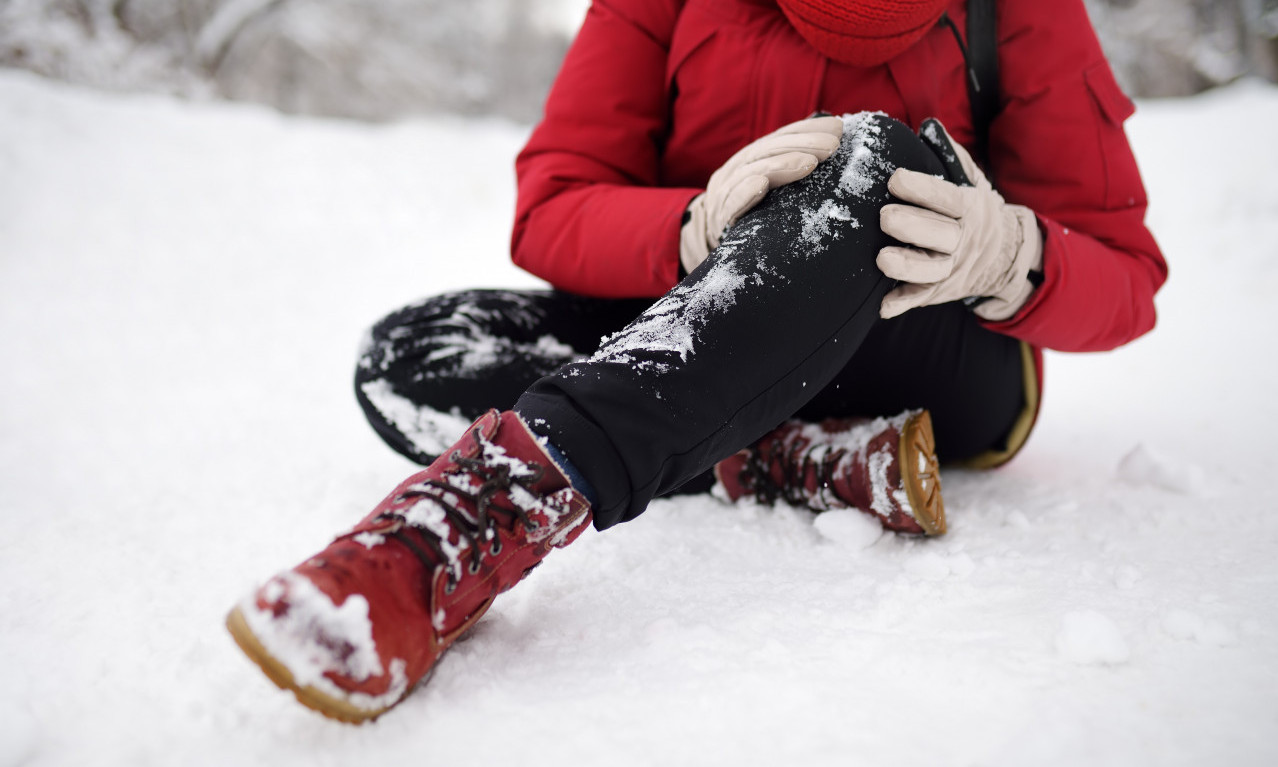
(351, 630)
(884, 467)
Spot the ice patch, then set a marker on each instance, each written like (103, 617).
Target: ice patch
(1088, 638)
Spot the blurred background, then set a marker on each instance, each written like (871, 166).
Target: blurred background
(383, 59)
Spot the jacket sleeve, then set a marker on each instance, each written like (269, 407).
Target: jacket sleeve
(589, 216)
(1058, 147)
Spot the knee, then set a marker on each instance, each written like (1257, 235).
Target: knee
(874, 145)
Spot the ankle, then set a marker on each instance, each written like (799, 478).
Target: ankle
(575, 477)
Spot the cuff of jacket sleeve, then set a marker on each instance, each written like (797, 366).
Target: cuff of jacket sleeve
(693, 247)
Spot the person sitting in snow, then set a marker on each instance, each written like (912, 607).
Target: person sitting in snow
(840, 302)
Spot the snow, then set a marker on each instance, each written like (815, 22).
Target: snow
(430, 431)
(816, 223)
(183, 290)
(851, 528)
(314, 635)
(670, 327)
(865, 166)
(1088, 637)
(1144, 467)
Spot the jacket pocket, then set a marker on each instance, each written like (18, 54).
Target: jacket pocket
(1123, 187)
(1111, 100)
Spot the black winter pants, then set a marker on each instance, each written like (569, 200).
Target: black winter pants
(781, 321)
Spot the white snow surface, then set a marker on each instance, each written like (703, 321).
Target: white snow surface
(183, 289)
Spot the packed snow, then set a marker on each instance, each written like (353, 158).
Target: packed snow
(183, 291)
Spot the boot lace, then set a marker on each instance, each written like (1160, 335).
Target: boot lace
(791, 462)
(428, 545)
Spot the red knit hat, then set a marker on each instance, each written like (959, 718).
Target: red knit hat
(862, 32)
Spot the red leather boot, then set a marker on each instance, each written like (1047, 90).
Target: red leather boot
(351, 630)
(886, 467)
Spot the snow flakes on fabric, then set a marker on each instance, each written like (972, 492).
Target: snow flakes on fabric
(808, 215)
(669, 327)
(862, 138)
(816, 223)
(313, 636)
(430, 431)
(547, 511)
(466, 348)
(886, 497)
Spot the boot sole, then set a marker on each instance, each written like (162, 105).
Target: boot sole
(920, 473)
(316, 700)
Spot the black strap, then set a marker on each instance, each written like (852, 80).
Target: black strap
(982, 63)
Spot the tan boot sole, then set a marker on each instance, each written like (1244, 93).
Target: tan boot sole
(920, 473)
(308, 696)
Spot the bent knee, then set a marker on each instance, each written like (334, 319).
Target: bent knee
(875, 144)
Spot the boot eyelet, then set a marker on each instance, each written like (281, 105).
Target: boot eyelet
(531, 526)
(450, 586)
(496, 548)
(473, 568)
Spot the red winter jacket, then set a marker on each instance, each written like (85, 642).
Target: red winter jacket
(654, 95)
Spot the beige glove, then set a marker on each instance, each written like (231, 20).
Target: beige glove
(967, 241)
(779, 158)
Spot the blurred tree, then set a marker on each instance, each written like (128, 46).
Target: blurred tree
(382, 58)
(378, 59)
(371, 59)
(1178, 47)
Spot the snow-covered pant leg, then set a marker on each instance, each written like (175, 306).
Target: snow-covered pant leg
(772, 317)
(427, 371)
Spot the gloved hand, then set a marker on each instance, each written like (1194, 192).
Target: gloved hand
(967, 242)
(779, 158)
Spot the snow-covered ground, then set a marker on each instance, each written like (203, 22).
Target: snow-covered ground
(182, 291)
